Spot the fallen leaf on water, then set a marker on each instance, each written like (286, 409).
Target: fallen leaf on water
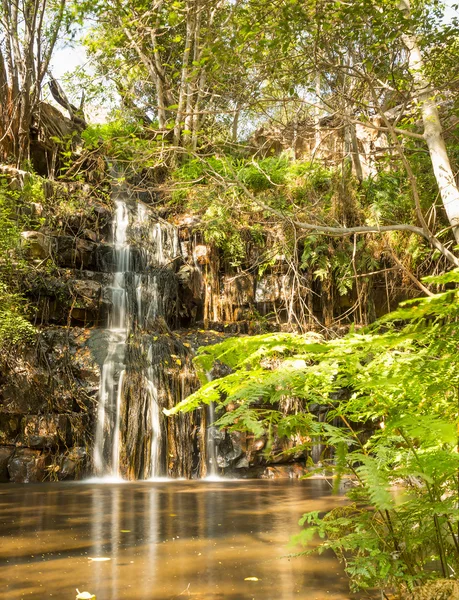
(84, 595)
(251, 579)
(99, 559)
(172, 515)
(125, 531)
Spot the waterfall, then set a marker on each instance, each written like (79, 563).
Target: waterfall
(155, 415)
(211, 446)
(212, 435)
(141, 373)
(107, 443)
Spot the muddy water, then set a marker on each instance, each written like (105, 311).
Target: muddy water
(176, 539)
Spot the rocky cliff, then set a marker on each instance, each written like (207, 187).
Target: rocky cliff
(180, 293)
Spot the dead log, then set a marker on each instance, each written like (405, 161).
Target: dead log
(76, 114)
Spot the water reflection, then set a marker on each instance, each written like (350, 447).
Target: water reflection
(164, 540)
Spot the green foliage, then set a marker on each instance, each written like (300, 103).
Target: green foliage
(265, 174)
(387, 198)
(126, 141)
(219, 229)
(398, 382)
(14, 326)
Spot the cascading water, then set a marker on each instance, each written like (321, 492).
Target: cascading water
(141, 373)
(107, 443)
(212, 433)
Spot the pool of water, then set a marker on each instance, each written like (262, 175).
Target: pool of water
(164, 540)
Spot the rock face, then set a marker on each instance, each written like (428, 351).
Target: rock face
(46, 406)
(180, 294)
(177, 290)
(28, 466)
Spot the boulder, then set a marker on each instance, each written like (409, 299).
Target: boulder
(75, 252)
(84, 253)
(87, 292)
(37, 245)
(34, 210)
(27, 466)
(71, 463)
(90, 235)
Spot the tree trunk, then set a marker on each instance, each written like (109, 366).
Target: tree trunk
(184, 83)
(433, 131)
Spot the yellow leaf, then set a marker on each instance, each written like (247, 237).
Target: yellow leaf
(251, 579)
(85, 596)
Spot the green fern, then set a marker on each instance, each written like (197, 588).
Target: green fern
(394, 389)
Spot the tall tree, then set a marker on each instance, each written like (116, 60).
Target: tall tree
(31, 29)
(425, 96)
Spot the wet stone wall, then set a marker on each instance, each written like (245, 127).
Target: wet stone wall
(122, 299)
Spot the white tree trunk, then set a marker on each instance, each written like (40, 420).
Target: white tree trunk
(433, 131)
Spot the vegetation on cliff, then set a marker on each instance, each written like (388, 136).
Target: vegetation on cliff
(312, 141)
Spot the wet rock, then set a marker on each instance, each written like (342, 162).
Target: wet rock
(19, 395)
(239, 290)
(27, 466)
(87, 291)
(71, 464)
(230, 448)
(74, 252)
(9, 428)
(45, 431)
(90, 235)
(37, 245)
(242, 463)
(105, 258)
(5, 454)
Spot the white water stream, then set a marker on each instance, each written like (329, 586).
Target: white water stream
(107, 443)
(149, 303)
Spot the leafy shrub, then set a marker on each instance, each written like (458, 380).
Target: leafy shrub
(397, 440)
(14, 326)
(388, 198)
(264, 174)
